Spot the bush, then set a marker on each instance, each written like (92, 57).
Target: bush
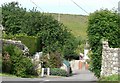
(53, 61)
(17, 63)
(6, 63)
(102, 24)
(58, 72)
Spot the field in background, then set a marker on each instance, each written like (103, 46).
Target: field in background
(76, 23)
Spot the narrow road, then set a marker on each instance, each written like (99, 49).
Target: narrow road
(80, 76)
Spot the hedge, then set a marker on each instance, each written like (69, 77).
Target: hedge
(32, 42)
(58, 72)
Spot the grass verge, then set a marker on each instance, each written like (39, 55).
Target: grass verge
(112, 78)
(14, 76)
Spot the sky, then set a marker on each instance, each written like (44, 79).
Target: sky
(67, 6)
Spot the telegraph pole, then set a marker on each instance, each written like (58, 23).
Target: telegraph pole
(59, 13)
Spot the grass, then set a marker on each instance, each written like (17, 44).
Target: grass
(6, 74)
(111, 78)
(14, 76)
(77, 24)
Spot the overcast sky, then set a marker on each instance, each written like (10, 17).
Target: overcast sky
(67, 6)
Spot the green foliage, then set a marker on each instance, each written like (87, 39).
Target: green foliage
(12, 17)
(52, 35)
(32, 42)
(6, 63)
(0, 65)
(58, 72)
(70, 46)
(81, 43)
(52, 60)
(102, 24)
(55, 60)
(17, 63)
(110, 78)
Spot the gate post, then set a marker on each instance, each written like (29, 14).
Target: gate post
(48, 71)
(42, 74)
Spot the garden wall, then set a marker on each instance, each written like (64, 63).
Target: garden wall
(16, 43)
(110, 60)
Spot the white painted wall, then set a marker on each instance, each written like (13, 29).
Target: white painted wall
(74, 64)
(85, 54)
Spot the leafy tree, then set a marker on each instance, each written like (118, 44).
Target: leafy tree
(13, 17)
(102, 24)
(70, 47)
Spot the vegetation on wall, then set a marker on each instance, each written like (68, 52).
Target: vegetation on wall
(103, 24)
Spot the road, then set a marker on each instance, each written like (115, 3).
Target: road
(80, 76)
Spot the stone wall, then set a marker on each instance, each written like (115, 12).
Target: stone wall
(16, 43)
(110, 60)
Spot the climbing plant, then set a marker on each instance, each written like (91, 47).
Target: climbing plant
(102, 24)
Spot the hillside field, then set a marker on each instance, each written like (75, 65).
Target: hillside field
(77, 24)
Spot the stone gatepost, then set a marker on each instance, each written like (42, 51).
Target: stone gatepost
(110, 60)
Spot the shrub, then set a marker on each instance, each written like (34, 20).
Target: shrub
(53, 61)
(19, 65)
(6, 63)
(58, 72)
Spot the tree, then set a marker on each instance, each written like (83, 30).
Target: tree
(70, 47)
(102, 24)
(13, 17)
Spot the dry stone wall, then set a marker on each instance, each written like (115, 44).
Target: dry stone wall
(16, 43)
(110, 60)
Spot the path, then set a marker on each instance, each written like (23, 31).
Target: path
(79, 75)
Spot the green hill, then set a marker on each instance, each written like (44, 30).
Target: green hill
(76, 23)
